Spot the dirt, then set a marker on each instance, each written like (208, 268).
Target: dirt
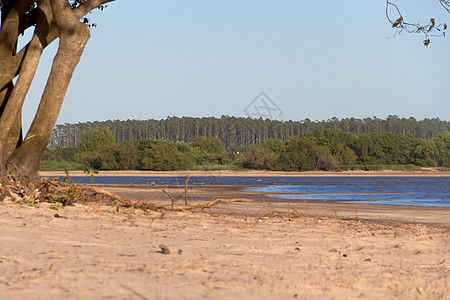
(257, 250)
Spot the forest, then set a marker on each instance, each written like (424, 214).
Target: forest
(236, 134)
(318, 149)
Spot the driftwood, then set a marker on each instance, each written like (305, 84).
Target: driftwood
(153, 206)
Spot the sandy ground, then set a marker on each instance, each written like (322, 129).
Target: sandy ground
(261, 250)
(429, 172)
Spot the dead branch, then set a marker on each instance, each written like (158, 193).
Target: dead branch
(153, 206)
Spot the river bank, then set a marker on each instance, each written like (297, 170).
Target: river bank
(227, 173)
(252, 251)
(269, 249)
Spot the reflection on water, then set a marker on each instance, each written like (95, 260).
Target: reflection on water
(419, 191)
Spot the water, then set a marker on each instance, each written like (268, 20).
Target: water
(418, 191)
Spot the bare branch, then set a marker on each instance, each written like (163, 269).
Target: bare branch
(432, 29)
(445, 4)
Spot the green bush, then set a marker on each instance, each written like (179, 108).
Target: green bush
(161, 155)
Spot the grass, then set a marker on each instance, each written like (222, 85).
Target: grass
(71, 166)
(61, 166)
(215, 167)
(443, 169)
(407, 167)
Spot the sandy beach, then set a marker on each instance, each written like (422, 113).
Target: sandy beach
(267, 249)
(228, 173)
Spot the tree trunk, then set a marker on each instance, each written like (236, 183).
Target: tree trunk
(73, 38)
(52, 19)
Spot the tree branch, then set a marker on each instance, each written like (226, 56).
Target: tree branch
(428, 30)
(88, 6)
(10, 28)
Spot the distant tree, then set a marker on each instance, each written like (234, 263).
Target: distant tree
(93, 139)
(161, 155)
(208, 150)
(442, 146)
(259, 158)
(239, 133)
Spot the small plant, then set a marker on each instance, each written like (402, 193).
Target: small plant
(88, 171)
(68, 198)
(68, 178)
(117, 205)
(56, 206)
(29, 201)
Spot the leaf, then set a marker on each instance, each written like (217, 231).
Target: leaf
(67, 175)
(432, 25)
(398, 22)
(445, 26)
(426, 42)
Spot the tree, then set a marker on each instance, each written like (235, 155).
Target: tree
(53, 19)
(208, 150)
(162, 155)
(93, 139)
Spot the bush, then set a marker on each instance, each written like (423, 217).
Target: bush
(159, 155)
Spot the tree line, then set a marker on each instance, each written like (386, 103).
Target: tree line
(328, 149)
(237, 132)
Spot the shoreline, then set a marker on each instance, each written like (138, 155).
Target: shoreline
(92, 251)
(229, 251)
(252, 173)
(379, 213)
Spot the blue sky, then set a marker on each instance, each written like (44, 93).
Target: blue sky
(314, 59)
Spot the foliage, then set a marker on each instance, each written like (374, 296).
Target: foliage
(259, 158)
(238, 134)
(335, 150)
(160, 155)
(314, 150)
(441, 149)
(208, 150)
(94, 139)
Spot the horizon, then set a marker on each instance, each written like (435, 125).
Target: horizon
(246, 117)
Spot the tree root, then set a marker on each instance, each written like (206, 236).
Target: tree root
(53, 191)
(153, 206)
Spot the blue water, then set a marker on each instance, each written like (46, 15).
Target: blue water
(418, 191)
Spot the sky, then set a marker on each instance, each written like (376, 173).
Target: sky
(199, 58)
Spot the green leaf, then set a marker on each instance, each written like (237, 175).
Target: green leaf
(426, 42)
(67, 175)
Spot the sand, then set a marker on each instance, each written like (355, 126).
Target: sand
(253, 173)
(262, 250)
